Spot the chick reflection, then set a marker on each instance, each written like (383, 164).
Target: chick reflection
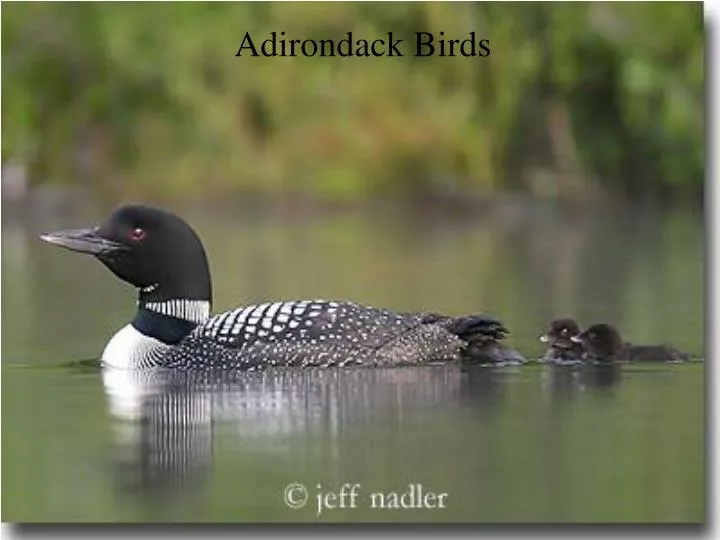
(561, 381)
(166, 421)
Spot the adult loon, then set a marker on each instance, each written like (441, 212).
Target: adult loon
(162, 256)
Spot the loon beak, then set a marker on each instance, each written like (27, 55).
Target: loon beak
(576, 339)
(82, 240)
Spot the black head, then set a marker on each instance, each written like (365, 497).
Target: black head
(601, 341)
(153, 250)
(560, 332)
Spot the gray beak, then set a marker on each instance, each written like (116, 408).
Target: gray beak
(83, 241)
(576, 339)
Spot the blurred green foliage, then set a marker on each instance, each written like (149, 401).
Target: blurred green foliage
(575, 99)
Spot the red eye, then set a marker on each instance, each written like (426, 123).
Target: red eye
(137, 234)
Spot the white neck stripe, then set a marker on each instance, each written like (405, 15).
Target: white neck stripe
(191, 310)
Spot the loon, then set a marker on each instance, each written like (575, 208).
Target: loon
(561, 347)
(602, 343)
(162, 256)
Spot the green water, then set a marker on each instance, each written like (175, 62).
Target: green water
(527, 444)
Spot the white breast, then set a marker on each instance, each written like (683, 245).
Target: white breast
(131, 349)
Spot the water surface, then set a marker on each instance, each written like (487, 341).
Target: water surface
(528, 444)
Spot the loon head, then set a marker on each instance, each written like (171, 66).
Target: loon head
(601, 341)
(152, 249)
(560, 333)
(163, 258)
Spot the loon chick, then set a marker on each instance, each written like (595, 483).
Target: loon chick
(561, 347)
(163, 257)
(602, 343)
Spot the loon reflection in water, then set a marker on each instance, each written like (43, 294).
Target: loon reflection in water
(165, 420)
(163, 428)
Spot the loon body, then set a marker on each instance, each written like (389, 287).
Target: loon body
(163, 257)
(559, 338)
(602, 343)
